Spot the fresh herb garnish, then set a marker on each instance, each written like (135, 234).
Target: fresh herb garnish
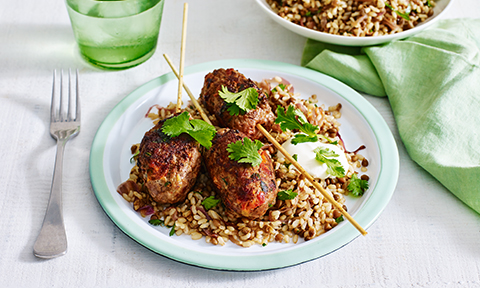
(328, 139)
(294, 119)
(294, 156)
(167, 183)
(198, 129)
(210, 202)
(339, 219)
(357, 186)
(225, 181)
(281, 86)
(240, 102)
(134, 156)
(286, 195)
(301, 138)
(334, 167)
(429, 4)
(403, 15)
(156, 222)
(246, 152)
(172, 231)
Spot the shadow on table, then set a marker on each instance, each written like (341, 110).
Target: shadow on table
(26, 50)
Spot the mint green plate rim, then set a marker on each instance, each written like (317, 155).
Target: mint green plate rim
(342, 235)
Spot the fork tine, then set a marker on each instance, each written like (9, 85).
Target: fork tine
(61, 109)
(52, 104)
(69, 104)
(77, 98)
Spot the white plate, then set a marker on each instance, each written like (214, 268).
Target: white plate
(440, 8)
(126, 124)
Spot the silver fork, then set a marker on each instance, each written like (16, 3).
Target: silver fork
(64, 125)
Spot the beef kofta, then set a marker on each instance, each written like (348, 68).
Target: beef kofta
(168, 166)
(244, 189)
(235, 82)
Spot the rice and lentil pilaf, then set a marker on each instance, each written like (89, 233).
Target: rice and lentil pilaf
(355, 17)
(306, 216)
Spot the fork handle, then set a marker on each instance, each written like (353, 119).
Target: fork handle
(52, 240)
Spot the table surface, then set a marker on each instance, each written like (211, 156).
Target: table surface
(425, 237)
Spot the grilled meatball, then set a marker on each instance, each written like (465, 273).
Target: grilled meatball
(235, 82)
(244, 189)
(169, 166)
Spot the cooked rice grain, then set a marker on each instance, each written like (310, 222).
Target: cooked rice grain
(306, 216)
(356, 18)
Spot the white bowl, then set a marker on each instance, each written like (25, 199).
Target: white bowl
(440, 8)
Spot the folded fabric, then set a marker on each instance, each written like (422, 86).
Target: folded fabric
(432, 81)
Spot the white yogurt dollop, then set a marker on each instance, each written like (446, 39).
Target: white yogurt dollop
(306, 157)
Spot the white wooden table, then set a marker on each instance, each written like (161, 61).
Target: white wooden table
(425, 237)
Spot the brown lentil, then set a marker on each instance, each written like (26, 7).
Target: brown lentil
(306, 216)
(356, 18)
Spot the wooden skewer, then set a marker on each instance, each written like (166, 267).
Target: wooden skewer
(310, 178)
(194, 101)
(260, 127)
(182, 57)
(293, 161)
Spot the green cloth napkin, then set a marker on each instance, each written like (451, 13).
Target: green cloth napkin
(432, 81)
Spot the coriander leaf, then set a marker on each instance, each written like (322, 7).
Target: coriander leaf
(281, 86)
(328, 139)
(286, 195)
(242, 101)
(132, 160)
(177, 125)
(287, 119)
(294, 119)
(156, 222)
(326, 152)
(199, 130)
(301, 117)
(228, 96)
(334, 167)
(339, 219)
(301, 138)
(357, 186)
(309, 129)
(172, 231)
(429, 4)
(403, 15)
(409, 9)
(248, 99)
(210, 202)
(202, 132)
(294, 156)
(234, 110)
(246, 152)
(225, 181)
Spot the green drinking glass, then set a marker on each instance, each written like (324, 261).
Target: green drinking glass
(116, 34)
